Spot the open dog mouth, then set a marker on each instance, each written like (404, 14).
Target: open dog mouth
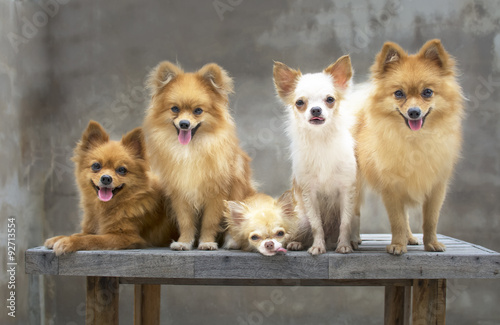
(317, 120)
(185, 136)
(106, 193)
(415, 124)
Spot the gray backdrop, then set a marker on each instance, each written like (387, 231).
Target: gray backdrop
(63, 63)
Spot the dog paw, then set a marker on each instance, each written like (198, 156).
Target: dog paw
(180, 246)
(412, 240)
(343, 249)
(435, 247)
(49, 243)
(63, 246)
(294, 246)
(396, 249)
(316, 250)
(208, 246)
(355, 243)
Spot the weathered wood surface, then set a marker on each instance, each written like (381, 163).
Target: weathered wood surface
(429, 302)
(397, 305)
(460, 260)
(147, 298)
(102, 301)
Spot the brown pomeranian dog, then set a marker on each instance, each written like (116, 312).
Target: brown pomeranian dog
(262, 224)
(192, 141)
(409, 136)
(123, 204)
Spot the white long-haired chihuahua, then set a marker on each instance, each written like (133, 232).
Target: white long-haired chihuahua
(322, 152)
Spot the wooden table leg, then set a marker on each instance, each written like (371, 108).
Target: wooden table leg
(147, 298)
(102, 301)
(397, 305)
(429, 302)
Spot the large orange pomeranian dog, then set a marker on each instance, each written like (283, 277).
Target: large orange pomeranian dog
(192, 140)
(409, 136)
(123, 203)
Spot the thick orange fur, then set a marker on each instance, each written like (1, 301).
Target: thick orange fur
(410, 167)
(261, 223)
(137, 216)
(212, 167)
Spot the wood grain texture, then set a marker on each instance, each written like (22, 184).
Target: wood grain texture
(102, 301)
(429, 302)
(396, 305)
(147, 298)
(371, 262)
(40, 260)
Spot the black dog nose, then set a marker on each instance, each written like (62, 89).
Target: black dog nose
(414, 112)
(106, 179)
(316, 111)
(184, 124)
(269, 245)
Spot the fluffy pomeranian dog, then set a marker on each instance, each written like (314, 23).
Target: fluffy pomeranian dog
(409, 136)
(262, 224)
(123, 203)
(322, 151)
(192, 141)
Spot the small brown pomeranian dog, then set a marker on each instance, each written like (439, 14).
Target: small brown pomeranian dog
(192, 141)
(262, 224)
(409, 136)
(123, 204)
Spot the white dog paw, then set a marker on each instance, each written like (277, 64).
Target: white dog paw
(294, 246)
(208, 246)
(316, 250)
(343, 249)
(180, 246)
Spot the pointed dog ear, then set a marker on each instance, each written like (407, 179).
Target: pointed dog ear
(161, 75)
(236, 212)
(287, 204)
(285, 80)
(390, 56)
(217, 77)
(93, 136)
(341, 72)
(434, 51)
(134, 141)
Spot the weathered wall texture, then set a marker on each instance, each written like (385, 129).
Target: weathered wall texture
(86, 60)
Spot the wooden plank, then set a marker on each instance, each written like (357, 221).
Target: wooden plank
(429, 302)
(41, 261)
(413, 265)
(133, 263)
(395, 305)
(267, 282)
(102, 301)
(461, 260)
(299, 265)
(147, 298)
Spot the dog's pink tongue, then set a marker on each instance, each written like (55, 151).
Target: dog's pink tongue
(184, 136)
(415, 125)
(105, 194)
(281, 250)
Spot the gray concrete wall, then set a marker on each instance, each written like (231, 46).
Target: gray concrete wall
(88, 60)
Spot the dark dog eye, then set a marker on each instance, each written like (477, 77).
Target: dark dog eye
(330, 99)
(280, 233)
(399, 94)
(198, 111)
(96, 167)
(175, 109)
(121, 170)
(427, 93)
(299, 103)
(254, 237)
